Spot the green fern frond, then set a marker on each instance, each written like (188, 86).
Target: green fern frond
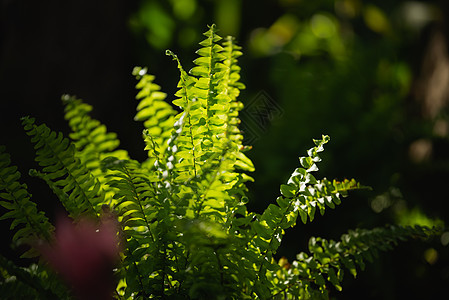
(134, 193)
(30, 224)
(213, 109)
(137, 214)
(148, 202)
(301, 196)
(92, 140)
(209, 92)
(212, 124)
(152, 149)
(306, 193)
(297, 199)
(185, 85)
(310, 274)
(190, 139)
(155, 113)
(56, 155)
(233, 86)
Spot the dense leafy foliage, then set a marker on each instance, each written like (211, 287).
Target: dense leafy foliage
(184, 227)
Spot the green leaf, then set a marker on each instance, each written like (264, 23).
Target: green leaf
(288, 190)
(332, 277)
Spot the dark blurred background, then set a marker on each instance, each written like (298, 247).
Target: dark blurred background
(374, 75)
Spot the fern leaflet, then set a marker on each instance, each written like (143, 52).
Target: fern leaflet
(78, 189)
(30, 224)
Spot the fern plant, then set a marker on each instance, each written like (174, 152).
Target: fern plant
(183, 230)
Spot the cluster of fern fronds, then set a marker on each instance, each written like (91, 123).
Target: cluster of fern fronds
(179, 218)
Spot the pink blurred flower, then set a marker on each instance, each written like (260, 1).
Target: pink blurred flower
(84, 254)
